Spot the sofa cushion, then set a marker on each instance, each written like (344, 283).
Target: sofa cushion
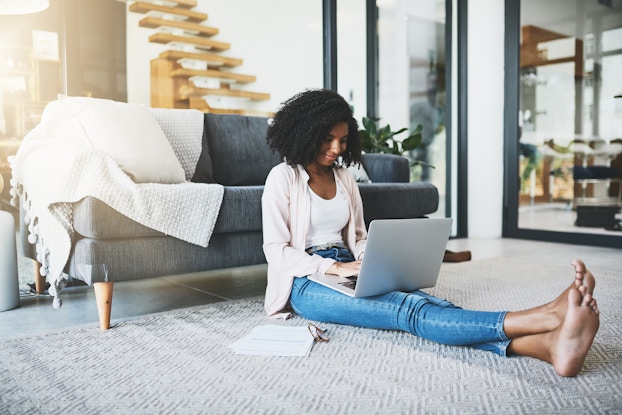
(129, 134)
(240, 211)
(183, 128)
(239, 152)
(204, 173)
(95, 219)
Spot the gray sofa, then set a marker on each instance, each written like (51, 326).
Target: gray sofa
(235, 154)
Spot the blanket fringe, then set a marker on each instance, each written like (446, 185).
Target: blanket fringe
(42, 252)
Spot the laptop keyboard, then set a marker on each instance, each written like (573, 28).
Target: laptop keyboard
(351, 283)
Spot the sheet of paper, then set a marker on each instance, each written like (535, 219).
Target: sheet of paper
(274, 340)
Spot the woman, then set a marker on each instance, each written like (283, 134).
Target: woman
(313, 223)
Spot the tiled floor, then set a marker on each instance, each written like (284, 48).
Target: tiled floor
(133, 299)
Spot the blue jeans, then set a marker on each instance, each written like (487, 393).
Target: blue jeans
(416, 312)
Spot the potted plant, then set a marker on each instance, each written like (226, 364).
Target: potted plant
(376, 139)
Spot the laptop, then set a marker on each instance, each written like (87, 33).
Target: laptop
(401, 255)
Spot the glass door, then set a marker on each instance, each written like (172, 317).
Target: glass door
(569, 122)
(413, 91)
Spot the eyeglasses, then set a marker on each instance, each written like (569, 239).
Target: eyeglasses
(318, 334)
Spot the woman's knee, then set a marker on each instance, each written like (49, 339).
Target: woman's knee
(431, 299)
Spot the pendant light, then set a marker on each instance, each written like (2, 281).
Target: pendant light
(22, 6)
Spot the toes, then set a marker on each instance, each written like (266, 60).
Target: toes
(587, 300)
(578, 265)
(580, 269)
(594, 307)
(575, 297)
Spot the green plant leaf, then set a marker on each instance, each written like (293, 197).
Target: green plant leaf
(367, 144)
(370, 126)
(384, 133)
(412, 142)
(400, 131)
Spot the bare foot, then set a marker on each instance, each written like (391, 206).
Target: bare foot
(584, 281)
(583, 276)
(550, 315)
(573, 339)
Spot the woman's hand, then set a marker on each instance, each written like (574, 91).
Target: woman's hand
(345, 269)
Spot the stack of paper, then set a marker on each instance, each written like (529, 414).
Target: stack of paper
(273, 340)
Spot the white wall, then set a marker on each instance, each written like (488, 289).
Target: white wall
(485, 117)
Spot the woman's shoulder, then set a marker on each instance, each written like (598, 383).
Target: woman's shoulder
(282, 171)
(282, 166)
(345, 176)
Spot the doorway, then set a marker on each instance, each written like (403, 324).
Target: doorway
(565, 173)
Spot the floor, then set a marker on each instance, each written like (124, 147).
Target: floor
(132, 299)
(558, 217)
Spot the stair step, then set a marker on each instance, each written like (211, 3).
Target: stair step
(186, 4)
(190, 15)
(166, 38)
(200, 104)
(210, 58)
(214, 73)
(156, 22)
(187, 91)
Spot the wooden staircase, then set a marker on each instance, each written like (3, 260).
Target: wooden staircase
(179, 10)
(192, 70)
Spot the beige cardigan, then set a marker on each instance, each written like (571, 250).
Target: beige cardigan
(285, 215)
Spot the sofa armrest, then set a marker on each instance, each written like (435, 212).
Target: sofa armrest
(386, 168)
(398, 200)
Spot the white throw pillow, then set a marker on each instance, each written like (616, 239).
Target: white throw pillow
(359, 173)
(130, 135)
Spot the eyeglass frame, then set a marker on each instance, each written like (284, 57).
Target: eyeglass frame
(318, 334)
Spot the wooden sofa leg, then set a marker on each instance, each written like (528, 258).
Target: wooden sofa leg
(103, 297)
(39, 279)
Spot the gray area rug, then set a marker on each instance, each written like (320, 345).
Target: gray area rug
(179, 362)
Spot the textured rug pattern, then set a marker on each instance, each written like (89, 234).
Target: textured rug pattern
(179, 362)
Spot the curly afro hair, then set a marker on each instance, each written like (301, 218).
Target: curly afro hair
(303, 121)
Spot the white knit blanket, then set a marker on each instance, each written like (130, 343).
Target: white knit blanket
(51, 172)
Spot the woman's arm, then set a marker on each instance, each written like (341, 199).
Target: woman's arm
(355, 233)
(285, 219)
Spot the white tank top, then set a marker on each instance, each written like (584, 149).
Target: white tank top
(328, 218)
